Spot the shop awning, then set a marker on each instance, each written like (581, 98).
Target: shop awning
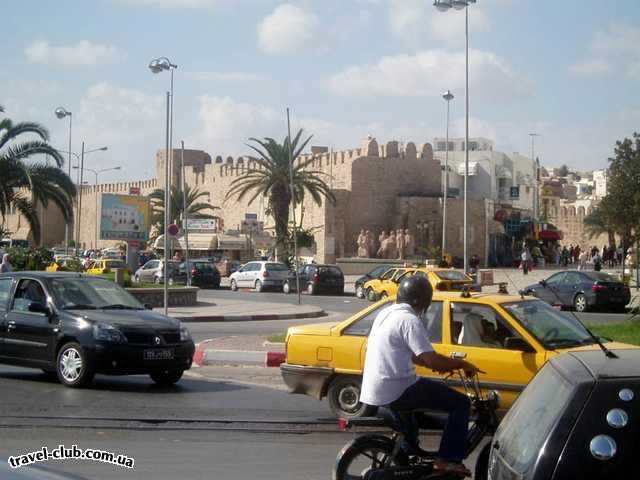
(550, 235)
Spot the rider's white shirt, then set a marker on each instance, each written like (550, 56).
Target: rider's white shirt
(397, 334)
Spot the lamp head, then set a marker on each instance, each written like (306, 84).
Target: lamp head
(154, 66)
(448, 96)
(460, 4)
(442, 5)
(117, 168)
(61, 112)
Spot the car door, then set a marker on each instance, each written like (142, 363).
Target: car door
(248, 272)
(550, 292)
(478, 333)
(6, 284)
(29, 335)
(569, 287)
(146, 274)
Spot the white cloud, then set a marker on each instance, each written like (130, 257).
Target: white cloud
(83, 53)
(429, 72)
(595, 66)
(233, 77)
(287, 29)
(613, 49)
(413, 20)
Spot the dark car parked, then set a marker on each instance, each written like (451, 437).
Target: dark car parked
(582, 290)
(75, 326)
(203, 274)
(577, 418)
(375, 273)
(316, 278)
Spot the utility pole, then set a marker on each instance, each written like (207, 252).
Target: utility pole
(293, 203)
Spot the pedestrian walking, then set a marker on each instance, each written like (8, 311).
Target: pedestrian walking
(525, 259)
(5, 266)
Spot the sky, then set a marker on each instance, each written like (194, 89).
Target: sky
(566, 70)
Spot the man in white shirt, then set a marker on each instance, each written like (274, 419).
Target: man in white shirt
(398, 341)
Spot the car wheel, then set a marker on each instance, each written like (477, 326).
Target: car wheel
(73, 367)
(167, 377)
(258, 286)
(136, 279)
(344, 395)
(371, 295)
(311, 289)
(286, 288)
(234, 286)
(170, 281)
(360, 292)
(156, 280)
(580, 303)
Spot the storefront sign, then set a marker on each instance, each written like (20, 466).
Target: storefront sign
(203, 224)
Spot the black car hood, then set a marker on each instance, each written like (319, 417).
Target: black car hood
(128, 318)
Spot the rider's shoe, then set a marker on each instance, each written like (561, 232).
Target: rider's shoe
(451, 467)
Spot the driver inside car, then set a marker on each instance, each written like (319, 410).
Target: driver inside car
(397, 343)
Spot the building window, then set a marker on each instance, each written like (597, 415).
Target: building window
(442, 146)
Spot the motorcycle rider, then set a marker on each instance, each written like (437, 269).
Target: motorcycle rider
(398, 341)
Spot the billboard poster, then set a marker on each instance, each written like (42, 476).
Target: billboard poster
(124, 217)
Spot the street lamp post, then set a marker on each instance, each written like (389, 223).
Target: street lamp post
(443, 6)
(95, 185)
(62, 112)
(156, 66)
(536, 167)
(448, 96)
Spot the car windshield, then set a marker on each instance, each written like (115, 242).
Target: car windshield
(451, 275)
(91, 293)
(276, 267)
(553, 328)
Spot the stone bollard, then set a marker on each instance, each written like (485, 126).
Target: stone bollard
(119, 276)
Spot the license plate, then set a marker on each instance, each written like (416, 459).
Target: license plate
(159, 354)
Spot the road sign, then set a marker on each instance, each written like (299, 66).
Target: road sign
(173, 229)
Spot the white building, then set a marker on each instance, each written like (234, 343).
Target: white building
(600, 183)
(492, 174)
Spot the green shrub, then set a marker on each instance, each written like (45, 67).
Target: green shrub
(29, 259)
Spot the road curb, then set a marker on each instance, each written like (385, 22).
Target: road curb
(209, 356)
(251, 318)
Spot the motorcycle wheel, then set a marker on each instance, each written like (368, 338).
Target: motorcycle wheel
(365, 453)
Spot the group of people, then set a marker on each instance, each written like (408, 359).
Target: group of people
(398, 244)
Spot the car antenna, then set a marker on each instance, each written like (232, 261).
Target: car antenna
(608, 353)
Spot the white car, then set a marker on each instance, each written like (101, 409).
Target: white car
(260, 275)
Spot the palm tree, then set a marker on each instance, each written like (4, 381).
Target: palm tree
(272, 179)
(195, 209)
(597, 223)
(25, 185)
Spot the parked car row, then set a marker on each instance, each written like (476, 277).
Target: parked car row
(202, 273)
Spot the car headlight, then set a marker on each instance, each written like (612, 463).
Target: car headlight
(108, 333)
(185, 335)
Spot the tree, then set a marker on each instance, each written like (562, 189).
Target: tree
(24, 185)
(195, 209)
(563, 171)
(272, 179)
(598, 223)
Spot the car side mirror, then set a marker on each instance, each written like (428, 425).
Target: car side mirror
(517, 343)
(37, 307)
(543, 283)
(148, 306)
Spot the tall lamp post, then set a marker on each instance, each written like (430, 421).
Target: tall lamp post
(156, 66)
(536, 167)
(443, 6)
(62, 112)
(448, 96)
(95, 184)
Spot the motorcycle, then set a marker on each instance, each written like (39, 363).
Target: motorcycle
(380, 457)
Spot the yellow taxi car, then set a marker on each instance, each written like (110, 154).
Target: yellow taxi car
(443, 279)
(65, 264)
(386, 285)
(508, 337)
(98, 267)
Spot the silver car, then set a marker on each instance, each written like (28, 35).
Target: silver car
(152, 272)
(260, 275)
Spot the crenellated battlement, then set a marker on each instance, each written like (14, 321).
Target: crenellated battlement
(145, 186)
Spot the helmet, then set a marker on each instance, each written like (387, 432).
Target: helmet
(416, 291)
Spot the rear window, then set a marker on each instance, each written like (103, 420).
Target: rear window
(203, 267)
(276, 267)
(535, 412)
(330, 271)
(452, 275)
(603, 277)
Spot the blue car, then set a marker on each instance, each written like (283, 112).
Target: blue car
(582, 291)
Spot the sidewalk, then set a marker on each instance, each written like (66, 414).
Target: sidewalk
(237, 310)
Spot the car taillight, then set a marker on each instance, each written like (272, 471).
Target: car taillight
(265, 274)
(597, 287)
(316, 278)
(194, 271)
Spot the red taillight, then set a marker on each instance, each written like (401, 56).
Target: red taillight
(194, 271)
(597, 287)
(265, 274)
(316, 278)
(343, 423)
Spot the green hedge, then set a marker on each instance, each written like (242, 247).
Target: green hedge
(29, 259)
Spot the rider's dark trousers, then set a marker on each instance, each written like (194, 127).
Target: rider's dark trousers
(431, 395)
